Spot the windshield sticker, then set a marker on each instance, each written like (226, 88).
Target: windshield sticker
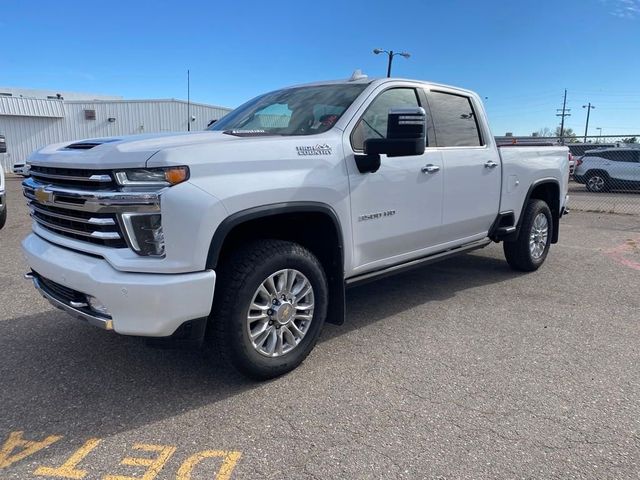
(320, 149)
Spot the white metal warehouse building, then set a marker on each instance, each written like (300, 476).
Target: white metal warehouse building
(30, 123)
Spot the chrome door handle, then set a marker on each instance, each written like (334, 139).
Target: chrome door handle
(431, 168)
(490, 164)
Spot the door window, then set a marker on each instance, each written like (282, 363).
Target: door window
(455, 120)
(373, 123)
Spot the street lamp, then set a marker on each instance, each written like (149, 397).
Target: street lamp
(391, 54)
(599, 134)
(586, 127)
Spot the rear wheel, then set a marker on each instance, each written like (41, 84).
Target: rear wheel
(269, 307)
(530, 249)
(597, 182)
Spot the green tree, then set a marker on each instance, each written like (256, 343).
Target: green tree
(630, 140)
(569, 134)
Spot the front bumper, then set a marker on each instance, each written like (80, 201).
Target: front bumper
(20, 169)
(144, 304)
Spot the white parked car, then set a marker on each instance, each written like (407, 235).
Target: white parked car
(20, 169)
(609, 169)
(251, 231)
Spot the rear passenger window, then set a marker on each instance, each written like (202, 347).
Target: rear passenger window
(455, 120)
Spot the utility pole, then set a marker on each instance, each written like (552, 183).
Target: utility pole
(188, 101)
(564, 114)
(586, 127)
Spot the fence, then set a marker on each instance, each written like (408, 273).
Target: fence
(605, 171)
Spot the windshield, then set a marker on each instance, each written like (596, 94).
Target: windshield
(293, 111)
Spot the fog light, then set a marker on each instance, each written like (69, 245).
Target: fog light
(144, 231)
(97, 306)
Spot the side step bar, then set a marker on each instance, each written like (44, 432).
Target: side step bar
(436, 257)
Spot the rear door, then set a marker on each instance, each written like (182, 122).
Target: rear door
(472, 169)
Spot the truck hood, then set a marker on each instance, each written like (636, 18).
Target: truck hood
(131, 151)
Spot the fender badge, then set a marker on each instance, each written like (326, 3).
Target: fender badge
(376, 216)
(320, 149)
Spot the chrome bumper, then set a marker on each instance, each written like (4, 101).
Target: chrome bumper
(104, 323)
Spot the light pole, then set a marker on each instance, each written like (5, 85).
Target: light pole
(586, 127)
(391, 54)
(599, 134)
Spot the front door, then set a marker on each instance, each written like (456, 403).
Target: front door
(396, 211)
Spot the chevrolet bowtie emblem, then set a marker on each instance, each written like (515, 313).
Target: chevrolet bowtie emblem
(43, 196)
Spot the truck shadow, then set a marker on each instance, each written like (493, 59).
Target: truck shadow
(378, 300)
(58, 376)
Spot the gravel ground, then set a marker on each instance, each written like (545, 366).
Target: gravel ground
(463, 369)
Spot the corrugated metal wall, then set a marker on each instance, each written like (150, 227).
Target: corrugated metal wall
(26, 134)
(31, 107)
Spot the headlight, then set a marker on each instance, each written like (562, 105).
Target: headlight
(144, 231)
(157, 177)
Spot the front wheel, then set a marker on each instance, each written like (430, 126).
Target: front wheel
(269, 308)
(529, 251)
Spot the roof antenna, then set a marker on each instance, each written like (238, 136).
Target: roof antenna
(188, 101)
(357, 75)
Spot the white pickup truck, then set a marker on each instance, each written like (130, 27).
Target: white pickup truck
(3, 201)
(246, 235)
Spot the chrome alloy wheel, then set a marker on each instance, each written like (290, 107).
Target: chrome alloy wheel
(280, 313)
(539, 236)
(595, 183)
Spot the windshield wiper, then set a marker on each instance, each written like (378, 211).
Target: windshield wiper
(249, 133)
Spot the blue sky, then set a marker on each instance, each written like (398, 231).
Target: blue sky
(521, 55)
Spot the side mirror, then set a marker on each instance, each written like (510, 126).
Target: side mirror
(406, 136)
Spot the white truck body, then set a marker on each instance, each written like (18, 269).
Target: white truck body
(3, 200)
(385, 219)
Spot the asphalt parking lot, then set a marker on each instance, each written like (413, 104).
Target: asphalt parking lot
(620, 202)
(463, 369)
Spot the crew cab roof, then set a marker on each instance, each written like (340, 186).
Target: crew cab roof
(380, 80)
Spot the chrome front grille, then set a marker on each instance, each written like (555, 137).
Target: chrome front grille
(74, 177)
(97, 228)
(88, 215)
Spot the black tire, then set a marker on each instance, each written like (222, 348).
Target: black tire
(3, 216)
(597, 182)
(239, 277)
(518, 252)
